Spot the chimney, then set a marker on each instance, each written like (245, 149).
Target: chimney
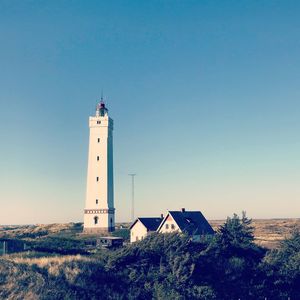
(183, 210)
(161, 216)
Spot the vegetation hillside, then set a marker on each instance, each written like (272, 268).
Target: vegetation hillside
(228, 265)
(267, 232)
(56, 230)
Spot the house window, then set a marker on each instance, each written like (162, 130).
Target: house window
(167, 226)
(98, 122)
(172, 226)
(96, 220)
(96, 201)
(97, 178)
(97, 158)
(98, 140)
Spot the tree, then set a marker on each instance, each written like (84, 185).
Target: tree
(236, 232)
(230, 262)
(282, 269)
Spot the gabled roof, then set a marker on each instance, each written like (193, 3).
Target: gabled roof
(150, 223)
(191, 222)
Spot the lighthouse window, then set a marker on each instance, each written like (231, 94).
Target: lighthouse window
(98, 140)
(96, 201)
(98, 122)
(97, 178)
(97, 158)
(96, 220)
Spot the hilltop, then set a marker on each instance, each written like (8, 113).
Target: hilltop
(267, 232)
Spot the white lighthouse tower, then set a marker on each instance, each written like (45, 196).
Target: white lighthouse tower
(99, 212)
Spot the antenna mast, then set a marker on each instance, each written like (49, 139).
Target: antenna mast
(132, 195)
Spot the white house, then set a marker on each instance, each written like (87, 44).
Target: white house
(141, 227)
(191, 222)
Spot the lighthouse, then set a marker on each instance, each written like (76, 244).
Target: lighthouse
(99, 212)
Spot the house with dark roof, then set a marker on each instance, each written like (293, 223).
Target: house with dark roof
(141, 227)
(192, 223)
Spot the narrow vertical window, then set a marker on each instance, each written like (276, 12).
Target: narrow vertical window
(96, 220)
(98, 140)
(96, 201)
(97, 158)
(97, 178)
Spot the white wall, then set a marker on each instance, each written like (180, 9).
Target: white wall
(169, 225)
(138, 232)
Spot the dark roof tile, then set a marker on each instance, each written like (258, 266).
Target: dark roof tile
(151, 223)
(192, 222)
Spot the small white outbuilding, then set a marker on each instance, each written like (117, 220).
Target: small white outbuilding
(141, 227)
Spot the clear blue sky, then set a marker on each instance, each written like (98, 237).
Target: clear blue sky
(205, 96)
